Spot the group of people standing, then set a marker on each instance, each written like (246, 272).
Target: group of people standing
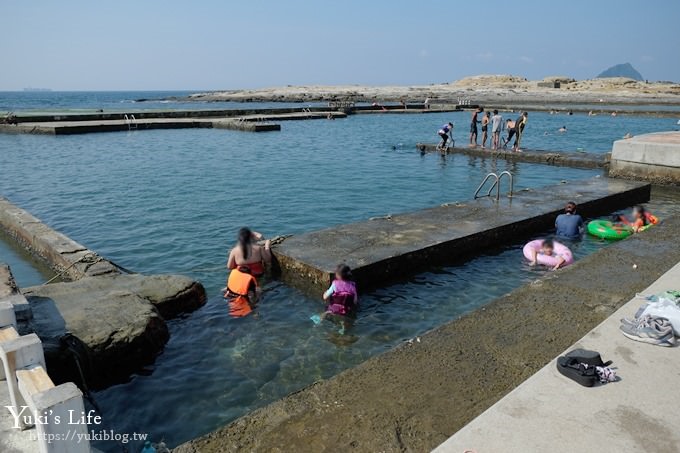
(514, 129)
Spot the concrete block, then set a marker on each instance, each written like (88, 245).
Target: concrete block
(7, 316)
(654, 157)
(21, 352)
(7, 333)
(57, 406)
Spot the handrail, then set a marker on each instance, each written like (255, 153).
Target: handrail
(490, 175)
(512, 184)
(496, 185)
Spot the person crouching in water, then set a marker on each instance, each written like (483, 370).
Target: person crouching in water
(241, 292)
(342, 297)
(569, 225)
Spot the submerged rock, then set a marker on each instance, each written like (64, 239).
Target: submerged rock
(117, 322)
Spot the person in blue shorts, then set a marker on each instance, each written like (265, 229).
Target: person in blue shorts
(569, 225)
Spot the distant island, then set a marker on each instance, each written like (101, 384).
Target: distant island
(622, 70)
(29, 89)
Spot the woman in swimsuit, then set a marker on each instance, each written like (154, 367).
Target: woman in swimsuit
(249, 254)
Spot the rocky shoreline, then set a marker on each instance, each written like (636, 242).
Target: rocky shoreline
(487, 90)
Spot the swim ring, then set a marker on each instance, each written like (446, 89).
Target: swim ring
(605, 229)
(548, 260)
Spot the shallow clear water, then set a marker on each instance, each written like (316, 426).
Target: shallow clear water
(172, 201)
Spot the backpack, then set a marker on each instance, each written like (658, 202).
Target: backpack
(580, 365)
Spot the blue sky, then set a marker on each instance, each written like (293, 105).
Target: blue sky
(165, 45)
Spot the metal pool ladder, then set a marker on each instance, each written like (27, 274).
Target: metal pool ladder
(131, 121)
(496, 184)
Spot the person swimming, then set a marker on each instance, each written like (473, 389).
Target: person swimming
(562, 129)
(248, 253)
(341, 296)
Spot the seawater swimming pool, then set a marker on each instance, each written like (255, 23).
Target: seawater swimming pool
(172, 201)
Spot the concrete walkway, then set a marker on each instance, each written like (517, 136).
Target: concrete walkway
(387, 248)
(534, 156)
(548, 412)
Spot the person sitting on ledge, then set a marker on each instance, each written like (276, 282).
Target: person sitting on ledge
(248, 253)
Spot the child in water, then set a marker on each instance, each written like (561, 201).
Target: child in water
(342, 297)
(548, 249)
(241, 291)
(641, 219)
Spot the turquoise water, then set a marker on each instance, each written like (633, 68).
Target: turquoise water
(172, 201)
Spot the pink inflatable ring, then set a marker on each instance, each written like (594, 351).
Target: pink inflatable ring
(548, 260)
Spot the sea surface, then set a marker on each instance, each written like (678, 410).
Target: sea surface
(171, 201)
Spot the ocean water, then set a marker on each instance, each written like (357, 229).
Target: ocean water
(28, 102)
(171, 201)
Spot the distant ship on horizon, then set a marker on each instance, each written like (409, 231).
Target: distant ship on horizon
(37, 89)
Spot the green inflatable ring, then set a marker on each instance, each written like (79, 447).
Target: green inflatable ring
(607, 230)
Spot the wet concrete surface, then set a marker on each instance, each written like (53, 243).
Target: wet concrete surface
(555, 158)
(415, 396)
(388, 248)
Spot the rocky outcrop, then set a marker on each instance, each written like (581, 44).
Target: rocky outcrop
(110, 321)
(117, 322)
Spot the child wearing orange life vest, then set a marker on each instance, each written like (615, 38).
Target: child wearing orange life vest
(241, 291)
(641, 219)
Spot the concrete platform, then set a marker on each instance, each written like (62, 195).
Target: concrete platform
(548, 412)
(559, 159)
(387, 248)
(86, 127)
(653, 157)
(258, 122)
(415, 396)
